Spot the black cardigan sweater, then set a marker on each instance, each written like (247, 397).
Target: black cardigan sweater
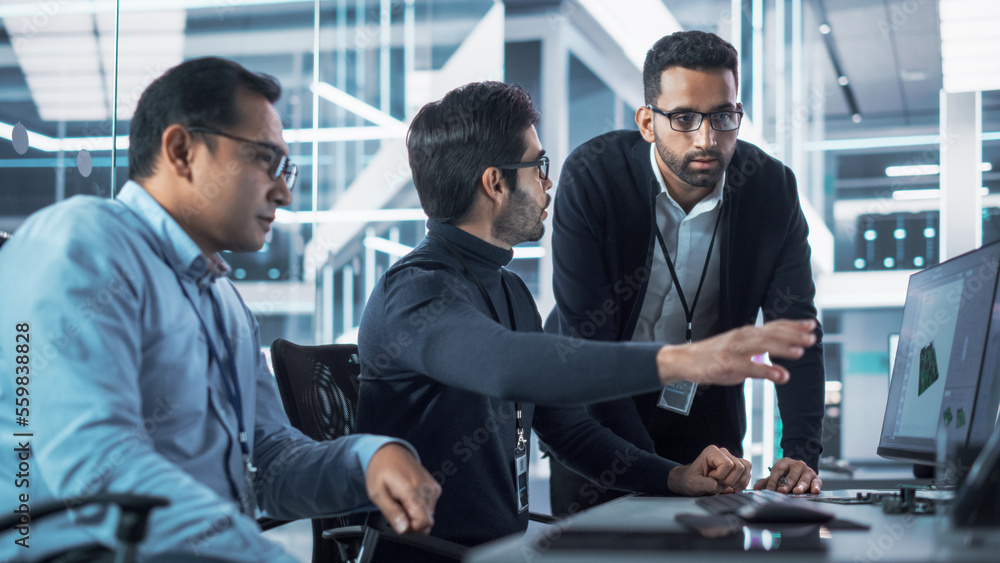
(602, 244)
(438, 371)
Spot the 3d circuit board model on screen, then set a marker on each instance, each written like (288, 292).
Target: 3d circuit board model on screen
(928, 368)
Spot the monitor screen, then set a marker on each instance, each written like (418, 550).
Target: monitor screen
(940, 355)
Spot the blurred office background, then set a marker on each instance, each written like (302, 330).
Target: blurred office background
(887, 111)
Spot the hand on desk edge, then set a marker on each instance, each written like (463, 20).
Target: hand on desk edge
(798, 478)
(714, 471)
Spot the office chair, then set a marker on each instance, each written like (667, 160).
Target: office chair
(319, 390)
(131, 524)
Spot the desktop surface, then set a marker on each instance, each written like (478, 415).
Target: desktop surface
(646, 529)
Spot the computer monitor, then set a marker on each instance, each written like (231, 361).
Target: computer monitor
(948, 344)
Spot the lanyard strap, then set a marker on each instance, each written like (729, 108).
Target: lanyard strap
(493, 311)
(689, 313)
(232, 384)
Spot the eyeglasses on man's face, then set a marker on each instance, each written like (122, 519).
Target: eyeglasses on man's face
(542, 164)
(277, 161)
(687, 121)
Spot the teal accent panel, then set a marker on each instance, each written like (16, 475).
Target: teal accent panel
(864, 363)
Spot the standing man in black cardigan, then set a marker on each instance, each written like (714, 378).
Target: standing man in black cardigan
(727, 217)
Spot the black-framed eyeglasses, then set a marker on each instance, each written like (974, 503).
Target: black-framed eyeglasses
(687, 121)
(279, 165)
(542, 164)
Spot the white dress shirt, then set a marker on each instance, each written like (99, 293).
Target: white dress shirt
(687, 236)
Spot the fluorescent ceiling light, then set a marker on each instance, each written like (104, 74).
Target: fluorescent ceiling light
(84, 98)
(16, 8)
(333, 134)
(350, 103)
(350, 216)
(385, 245)
(74, 44)
(882, 142)
(45, 143)
(69, 63)
(925, 169)
(968, 9)
(931, 193)
(51, 83)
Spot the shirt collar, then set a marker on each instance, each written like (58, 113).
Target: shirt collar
(177, 248)
(707, 204)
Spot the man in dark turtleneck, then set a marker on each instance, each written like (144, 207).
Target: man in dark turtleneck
(452, 354)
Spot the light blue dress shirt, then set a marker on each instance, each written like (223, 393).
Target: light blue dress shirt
(124, 396)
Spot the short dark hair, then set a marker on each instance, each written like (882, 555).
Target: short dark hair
(693, 50)
(453, 140)
(198, 92)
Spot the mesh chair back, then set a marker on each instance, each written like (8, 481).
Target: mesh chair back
(319, 390)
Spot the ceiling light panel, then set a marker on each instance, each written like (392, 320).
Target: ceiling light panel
(68, 55)
(970, 45)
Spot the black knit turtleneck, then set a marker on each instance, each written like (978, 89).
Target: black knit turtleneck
(438, 371)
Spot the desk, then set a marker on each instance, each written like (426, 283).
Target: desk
(890, 538)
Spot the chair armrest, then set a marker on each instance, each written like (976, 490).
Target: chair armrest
(429, 544)
(271, 523)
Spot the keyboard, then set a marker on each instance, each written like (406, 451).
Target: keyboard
(763, 507)
(732, 503)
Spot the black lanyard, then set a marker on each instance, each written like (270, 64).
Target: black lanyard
(231, 380)
(688, 313)
(496, 316)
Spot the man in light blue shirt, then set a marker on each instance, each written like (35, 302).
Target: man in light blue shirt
(142, 371)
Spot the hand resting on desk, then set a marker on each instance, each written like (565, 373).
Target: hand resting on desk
(715, 471)
(791, 476)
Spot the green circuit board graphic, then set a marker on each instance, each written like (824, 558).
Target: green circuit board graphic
(928, 368)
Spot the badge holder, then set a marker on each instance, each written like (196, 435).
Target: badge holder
(521, 470)
(678, 396)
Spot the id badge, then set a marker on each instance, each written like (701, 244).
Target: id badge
(678, 396)
(249, 480)
(521, 469)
